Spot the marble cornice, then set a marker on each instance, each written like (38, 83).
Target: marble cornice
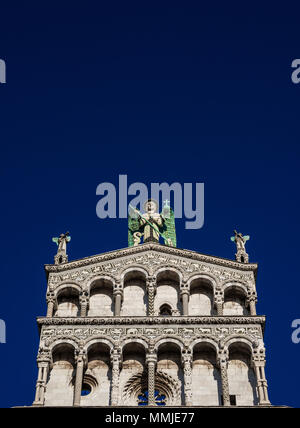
(154, 321)
(125, 252)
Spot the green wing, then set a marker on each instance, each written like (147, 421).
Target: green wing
(133, 226)
(55, 240)
(68, 238)
(246, 238)
(169, 231)
(232, 238)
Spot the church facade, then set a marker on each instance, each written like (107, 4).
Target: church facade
(151, 325)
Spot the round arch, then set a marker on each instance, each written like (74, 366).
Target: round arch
(91, 280)
(204, 340)
(140, 341)
(59, 342)
(234, 340)
(169, 339)
(165, 268)
(208, 277)
(135, 268)
(99, 339)
(67, 284)
(236, 284)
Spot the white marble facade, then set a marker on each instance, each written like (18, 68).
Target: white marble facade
(151, 325)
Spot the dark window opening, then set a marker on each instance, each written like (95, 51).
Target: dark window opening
(160, 399)
(165, 311)
(232, 399)
(86, 390)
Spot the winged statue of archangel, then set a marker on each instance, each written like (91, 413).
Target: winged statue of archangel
(151, 225)
(61, 242)
(240, 241)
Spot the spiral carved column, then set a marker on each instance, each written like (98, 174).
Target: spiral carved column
(187, 371)
(151, 295)
(84, 302)
(223, 364)
(151, 360)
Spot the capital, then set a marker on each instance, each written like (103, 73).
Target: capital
(150, 282)
(50, 297)
(151, 358)
(44, 356)
(81, 357)
(84, 296)
(186, 357)
(115, 355)
(222, 358)
(118, 292)
(252, 296)
(184, 291)
(259, 357)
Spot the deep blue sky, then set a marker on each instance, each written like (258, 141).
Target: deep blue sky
(161, 91)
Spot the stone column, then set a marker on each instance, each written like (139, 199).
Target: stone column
(118, 295)
(186, 358)
(185, 294)
(151, 295)
(258, 362)
(50, 303)
(115, 358)
(43, 361)
(151, 360)
(80, 362)
(223, 364)
(219, 301)
(38, 385)
(44, 381)
(251, 301)
(84, 302)
(265, 385)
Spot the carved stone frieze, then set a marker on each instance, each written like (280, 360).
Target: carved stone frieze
(150, 256)
(121, 334)
(150, 260)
